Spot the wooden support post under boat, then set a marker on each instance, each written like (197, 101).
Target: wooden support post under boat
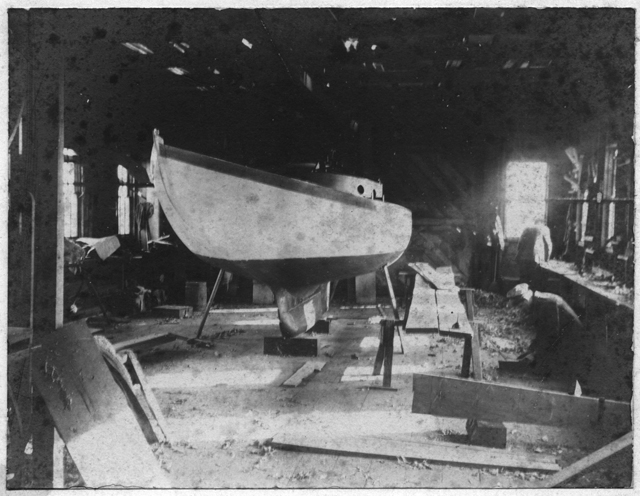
(392, 294)
(209, 303)
(385, 352)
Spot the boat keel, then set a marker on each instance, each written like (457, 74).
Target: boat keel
(299, 310)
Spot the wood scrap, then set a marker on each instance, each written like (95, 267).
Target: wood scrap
(389, 448)
(140, 379)
(148, 341)
(91, 413)
(303, 372)
(460, 398)
(588, 461)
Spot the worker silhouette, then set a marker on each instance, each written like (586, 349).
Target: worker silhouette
(534, 248)
(558, 345)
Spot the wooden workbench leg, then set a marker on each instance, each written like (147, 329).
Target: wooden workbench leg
(466, 357)
(388, 333)
(475, 338)
(475, 353)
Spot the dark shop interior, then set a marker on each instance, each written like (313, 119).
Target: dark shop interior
(320, 248)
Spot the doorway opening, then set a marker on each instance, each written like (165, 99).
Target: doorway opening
(525, 196)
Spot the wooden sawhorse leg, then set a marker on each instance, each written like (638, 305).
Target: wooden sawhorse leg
(385, 352)
(394, 304)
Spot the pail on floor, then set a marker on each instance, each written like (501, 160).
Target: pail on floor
(195, 295)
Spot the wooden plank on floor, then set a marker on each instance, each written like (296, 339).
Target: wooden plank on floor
(388, 448)
(588, 461)
(460, 398)
(365, 373)
(147, 392)
(290, 347)
(423, 312)
(148, 341)
(303, 372)
(91, 412)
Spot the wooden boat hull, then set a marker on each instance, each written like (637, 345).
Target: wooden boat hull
(290, 234)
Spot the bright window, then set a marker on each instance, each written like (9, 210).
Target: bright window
(125, 194)
(525, 196)
(72, 191)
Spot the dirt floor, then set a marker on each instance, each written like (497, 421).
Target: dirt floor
(223, 405)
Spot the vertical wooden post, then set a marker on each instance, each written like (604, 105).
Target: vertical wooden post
(377, 365)
(209, 303)
(385, 352)
(394, 304)
(392, 294)
(466, 358)
(45, 150)
(388, 334)
(45, 110)
(475, 338)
